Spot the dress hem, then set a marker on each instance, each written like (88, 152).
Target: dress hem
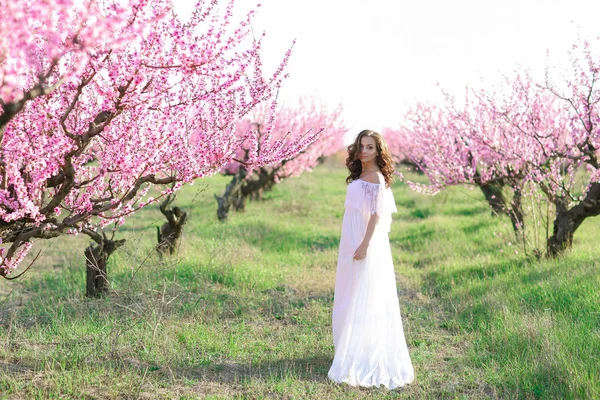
(356, 383)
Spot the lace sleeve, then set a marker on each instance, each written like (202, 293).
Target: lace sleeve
(379, 199)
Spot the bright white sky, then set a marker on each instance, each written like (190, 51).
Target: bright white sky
(378, 56)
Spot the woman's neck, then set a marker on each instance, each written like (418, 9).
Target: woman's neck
(368, 167)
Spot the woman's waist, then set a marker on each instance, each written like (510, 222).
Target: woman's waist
(357, 221)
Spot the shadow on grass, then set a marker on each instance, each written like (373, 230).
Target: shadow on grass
(543, 377)
(420, 213)
(115, 331)
(271, 238)
(413, 238)
(466, 211)
(530, 316)
(474, 228)
(313, 368)
(458, 276)
(214, 294)
(227, 373)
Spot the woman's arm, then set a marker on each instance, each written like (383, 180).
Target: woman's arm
(361, 252)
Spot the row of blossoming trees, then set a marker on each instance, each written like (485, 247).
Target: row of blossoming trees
(102, 100)
(249, 181)
(527, 139)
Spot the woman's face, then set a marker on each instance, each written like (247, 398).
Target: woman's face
(368, 149)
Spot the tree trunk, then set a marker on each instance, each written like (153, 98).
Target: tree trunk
(95, 265)
(169, 234)
(494, 196)
(232, 196)
(516, 211)
(263, 181)
(240, 188)
(493, 192)
(567, 220)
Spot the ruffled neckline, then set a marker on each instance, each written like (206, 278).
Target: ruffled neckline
(360, 180)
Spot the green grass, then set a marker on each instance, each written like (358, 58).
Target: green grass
(244, 310)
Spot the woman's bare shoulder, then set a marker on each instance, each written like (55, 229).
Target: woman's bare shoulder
(376, 177)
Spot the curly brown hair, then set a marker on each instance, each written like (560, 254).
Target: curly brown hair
(384, 158)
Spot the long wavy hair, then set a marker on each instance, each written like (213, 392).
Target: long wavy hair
(384, 158)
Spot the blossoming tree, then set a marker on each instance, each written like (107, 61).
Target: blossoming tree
(401, 145)
(541, 134)
(564, 156)
(450, 145)
(282, 124)
(98, 102)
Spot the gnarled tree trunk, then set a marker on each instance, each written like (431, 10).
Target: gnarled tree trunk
(494, 196)
(169, 234)
(515, 211)
(96, 258)
(260, 183)
(567, 220)
(232, 196)
(241, 188)
(493, 192)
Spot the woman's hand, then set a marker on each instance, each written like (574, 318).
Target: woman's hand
(361, 252)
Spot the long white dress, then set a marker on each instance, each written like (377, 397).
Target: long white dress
(370, 348)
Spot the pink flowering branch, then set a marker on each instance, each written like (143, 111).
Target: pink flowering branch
(309, 127)
(544, 135)
(102, 100)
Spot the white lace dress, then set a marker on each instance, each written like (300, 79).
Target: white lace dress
(370, 348)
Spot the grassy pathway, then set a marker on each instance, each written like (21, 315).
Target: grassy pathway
(244, 312)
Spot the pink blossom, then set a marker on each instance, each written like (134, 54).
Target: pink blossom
(100, 100)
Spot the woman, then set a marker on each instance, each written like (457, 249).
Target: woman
(370, 349)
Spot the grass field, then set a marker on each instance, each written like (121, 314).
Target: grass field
(245, 309)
